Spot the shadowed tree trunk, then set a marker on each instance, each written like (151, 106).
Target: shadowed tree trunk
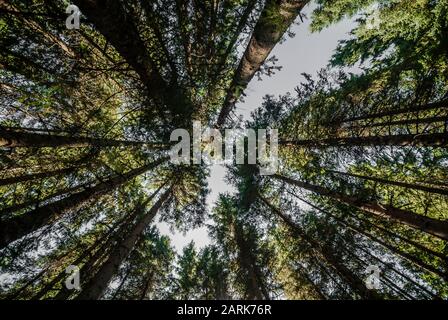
(275, 19)
(111, 19)
(416, 121)
(431, 226)
(37, 202)
(253, 285)
(148, 285)
(26, 223)
(416, 140)
(13, 139)
(34, 176)
(327, 254)
(411, 258)
(98, 284)
(394, 183)
(90, 253)
(429, 106)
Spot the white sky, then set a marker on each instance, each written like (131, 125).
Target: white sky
(306, 52)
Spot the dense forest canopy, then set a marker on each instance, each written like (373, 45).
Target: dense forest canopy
(86, 117)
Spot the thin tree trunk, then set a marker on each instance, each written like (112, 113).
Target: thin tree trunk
(98, 284)
(417, 140)
(244, 256)
(267, 33)
(34, 176)
(112, 20)
(18, 227)
(326, 252)
(123, 281)
(13, 139)
(36, 27)
(37, 202)
(417, 121)
(148, 285)
(241, 24)
(394, 183)
(429, 106)
(386, 231)
(102, 252)
(428, 225)
(415, 260)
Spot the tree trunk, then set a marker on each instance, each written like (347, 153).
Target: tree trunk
(431, 226)
(429, 106)
(394, 183)
(253, 286)
(148, 285)
(417, 140)
(34, 176)
(17, 227)
(241, 24)
(415, 260)
(417, 121)
(37, 202)
(111, 19)
(98, 284)
(267, 33)
(13, 139)
(327, 254)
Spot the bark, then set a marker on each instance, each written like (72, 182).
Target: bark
(327, 254)
(61, 275)
(253, 286)
(267, 33)
(242, 23)
(394, 183)
(425, 224)
(415, 260)
(37, 202)
(36, 27)
(17, 227)
(98, 284)
(426, 107)
(112, 20)
(148, 285)
(96, 256)
(417, 121)
(13, 139)
(417, 140)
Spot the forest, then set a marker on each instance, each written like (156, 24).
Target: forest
(358, 208)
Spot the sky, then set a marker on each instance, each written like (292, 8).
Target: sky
(305, 53)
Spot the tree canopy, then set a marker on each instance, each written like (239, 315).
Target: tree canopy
(86, 117)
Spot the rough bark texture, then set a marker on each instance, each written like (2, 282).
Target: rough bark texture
(395, 183)
(111, 19)
(411, 258)
(429, 106)
(253, 287)
(26, 223)
(40, 175)
(326, 253)
(431, 226)
(13, 139)
(98, 284)
(275, 19)
(416, 140)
